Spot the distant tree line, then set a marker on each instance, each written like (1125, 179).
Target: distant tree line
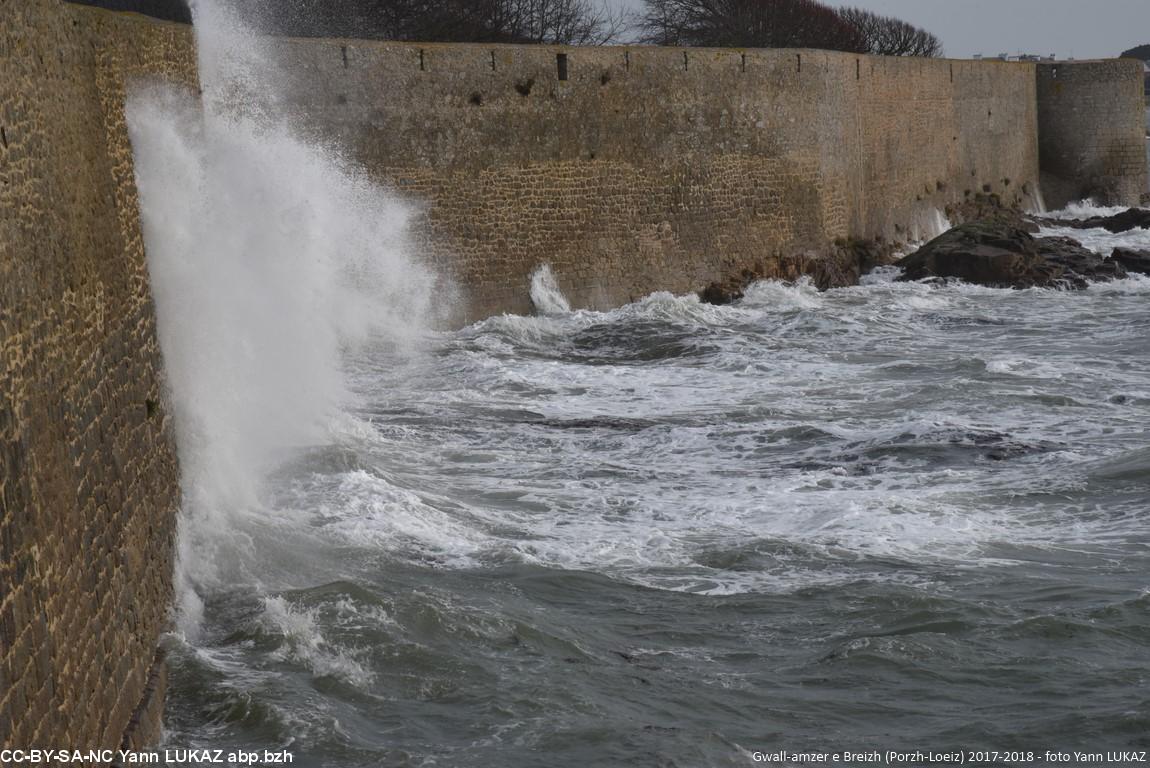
(565, 22)
(716, 23)
(888, 36)
(781, 24)
(1141, 52)
(746, 24)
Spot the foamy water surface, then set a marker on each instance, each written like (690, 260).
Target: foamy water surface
(894, 516)
(888, 514)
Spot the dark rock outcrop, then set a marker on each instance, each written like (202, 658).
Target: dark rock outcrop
(726, 292)
(1077, 262)
(841, 264)
(1132, 218)
(1132, 260)
(990, 253)
(999, 254)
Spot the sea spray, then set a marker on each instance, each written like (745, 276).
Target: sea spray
(269, 258)
(928, 224)
(546, 295)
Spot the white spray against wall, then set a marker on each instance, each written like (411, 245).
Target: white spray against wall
(268, 258)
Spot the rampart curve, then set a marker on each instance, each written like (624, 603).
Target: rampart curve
(629, 170)
(1091, 140)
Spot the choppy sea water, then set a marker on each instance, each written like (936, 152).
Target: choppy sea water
(894, 516)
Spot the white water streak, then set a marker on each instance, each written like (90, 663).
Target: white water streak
(546, 295)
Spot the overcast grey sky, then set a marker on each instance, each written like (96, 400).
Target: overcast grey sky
(1083, 29)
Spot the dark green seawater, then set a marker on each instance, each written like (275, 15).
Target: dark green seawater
(896, 516)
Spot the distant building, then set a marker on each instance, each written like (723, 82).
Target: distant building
(1019, 57)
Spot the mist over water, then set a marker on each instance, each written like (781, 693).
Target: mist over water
(894, 516)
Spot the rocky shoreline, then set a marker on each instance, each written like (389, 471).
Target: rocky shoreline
(1001, 251)
(993, 245)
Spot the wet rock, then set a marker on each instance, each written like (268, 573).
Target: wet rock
(988, 252)
(1000, 254)
(1134, 261)
(721, 294)
(1132, 218)
(859, 256)
(1079, 264)
(834, 265)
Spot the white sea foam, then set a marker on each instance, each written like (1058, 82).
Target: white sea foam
(1086, 209)
(1134, 284)
(679, 489)
(772, 295)
(1102, 241)
(304, 642)
(1099, 240)
(366, 510)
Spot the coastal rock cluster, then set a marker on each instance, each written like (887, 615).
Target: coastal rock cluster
(995, 246)
(846, 261)
(1002, 252)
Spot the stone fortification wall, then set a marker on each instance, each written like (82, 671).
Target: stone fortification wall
(88, 478)
(1091, 133)
(629, 170)
(638, 169)
(1146, 197)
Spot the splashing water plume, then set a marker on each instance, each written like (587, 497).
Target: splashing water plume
(269, 259)
(546, 294)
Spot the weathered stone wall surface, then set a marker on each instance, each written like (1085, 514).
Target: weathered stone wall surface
(643, 169)
(661, 169)
(1091, 133)
(88, 477)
